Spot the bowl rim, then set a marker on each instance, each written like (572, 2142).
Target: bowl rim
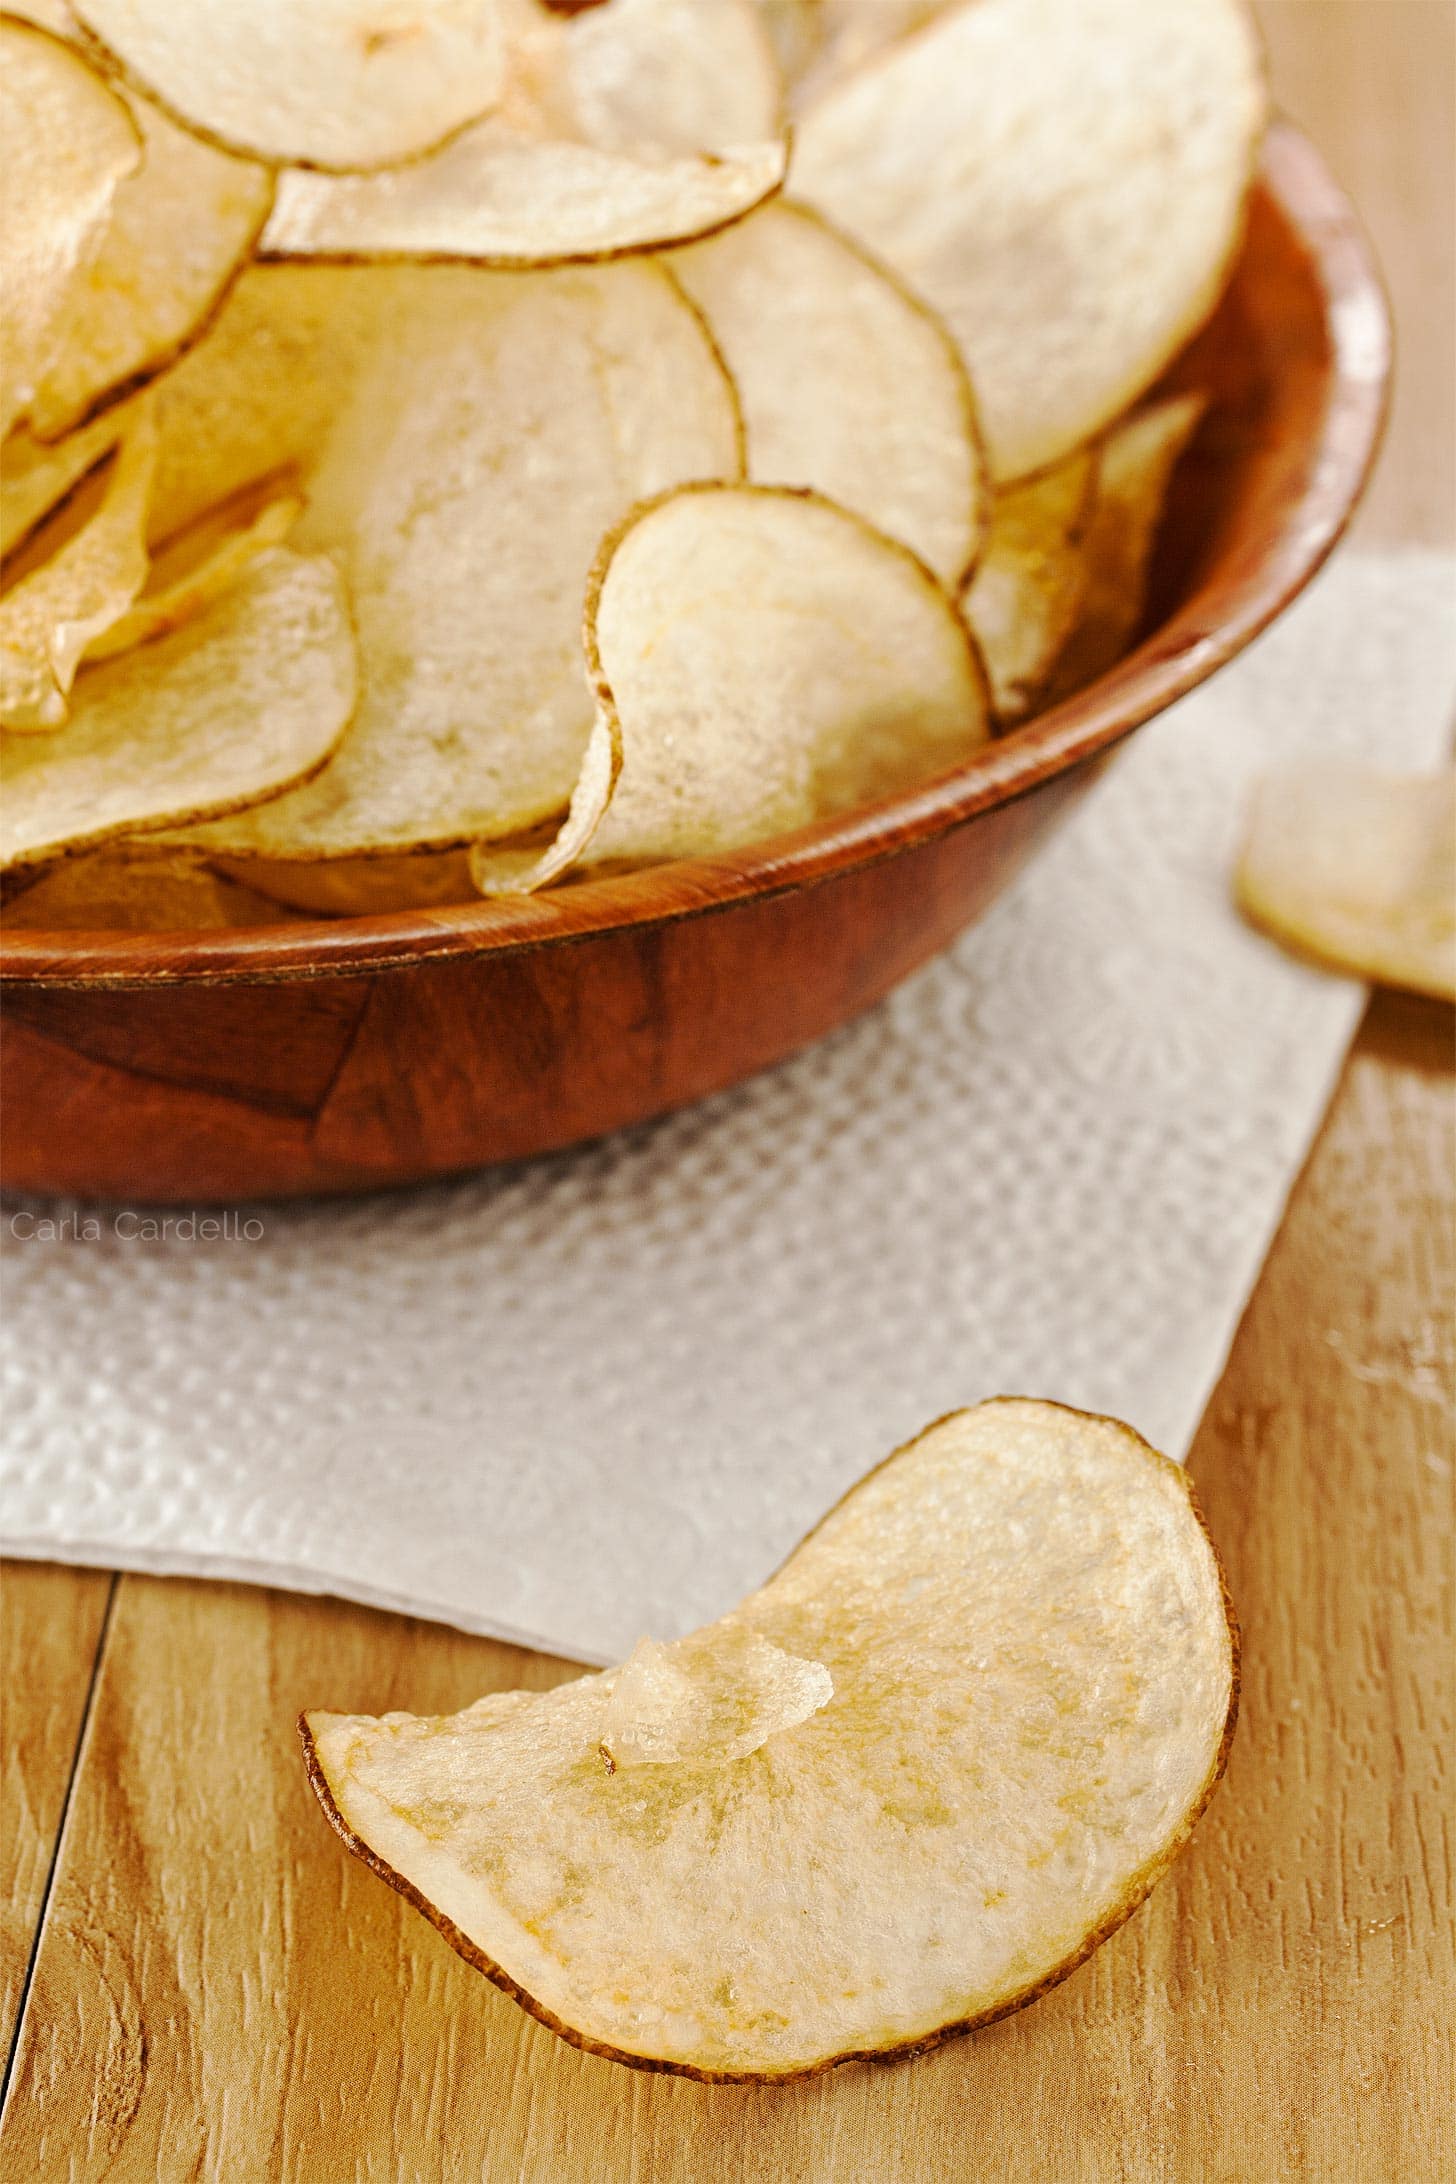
(1173, 660)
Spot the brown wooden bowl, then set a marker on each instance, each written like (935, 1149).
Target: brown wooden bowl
(340, 1055)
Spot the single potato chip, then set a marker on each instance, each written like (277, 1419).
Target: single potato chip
(239, 703)
(1023, 601)
(1062, 180)
(322, 83)
(68, 143)
(197, 568)
(761, 659)
(50, 618)
(647, 123)
(128, 889)
(1135, 466)
(902, 1790)
(179, 231)
(1358, 869)
(465, 440)
(848, 384)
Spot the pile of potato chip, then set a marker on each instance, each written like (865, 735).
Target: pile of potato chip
(471, 444)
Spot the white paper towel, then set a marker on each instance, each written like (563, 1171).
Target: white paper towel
(605, 1392)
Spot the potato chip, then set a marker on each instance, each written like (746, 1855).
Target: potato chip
(69, 141)
(1023, 601)
(1134, 468)
(206, 561)
(652, 121)
(236, 705)
(1063, 180)
(1358, 869)
(130, 889)
(51, 616)
(847, 383)
(35, 479)
(466, 439)
(761, 659)
(793, 32)
(338, 887)
(322, 83)
(179, 231)
(901, 1790)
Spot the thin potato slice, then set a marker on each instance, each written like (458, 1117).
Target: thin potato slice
(904, 1788)
(847, 383)
(180, 230)
(126, 889)
(1023, 601)
(761, 659)
(648, 123)
(1063, 180)
(196, 569)
(339, 887)
(50, 618)
(1134, 469)
(68, 143)
(323, 83)
(234, 706)
(1358, 869)
(466, 438)
(35, 479)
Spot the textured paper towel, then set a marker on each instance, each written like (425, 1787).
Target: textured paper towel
(606, 1392)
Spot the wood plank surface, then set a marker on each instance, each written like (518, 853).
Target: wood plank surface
(220, 1993)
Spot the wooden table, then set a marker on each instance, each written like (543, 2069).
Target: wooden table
(203, 1985)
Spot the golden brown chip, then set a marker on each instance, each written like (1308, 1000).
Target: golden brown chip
(68, 143)
(324, 83)
(338, 887)
(1023, 601)
(51, 617)
(465, 439)
(1062, 180)
(848, 384)
(1358, 869)
(125, 889)
(901, 1790)
(761, 659)
(234, 706)
(1135, 466)
(35, 479)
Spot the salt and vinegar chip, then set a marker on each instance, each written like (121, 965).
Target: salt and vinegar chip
(68, 143)
(1358, 869)
(1135, 466)
(467, 439)
(847, 383)
(197, 568)
(761, 658)
(179, 231)
(324, 83)
(1062, 180)
(50, 617)
(1023, 600)
(1027, 1683)
(236, 705)
(648, 123)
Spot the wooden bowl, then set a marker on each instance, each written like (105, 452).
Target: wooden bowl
(340, 1055)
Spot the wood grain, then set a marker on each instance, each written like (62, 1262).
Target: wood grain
(50, 1628)
(222, 1993)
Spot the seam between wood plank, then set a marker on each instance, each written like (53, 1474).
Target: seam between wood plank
(22, 2008)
